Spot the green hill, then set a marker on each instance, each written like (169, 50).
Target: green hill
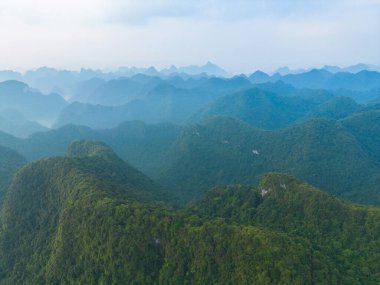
(65, 221)
(223, 151)
(10, 161)
(346, 235)
(335, 108)
(340, 157)
(267, 110)
(45, 197)
(365, 126)
(140, 144)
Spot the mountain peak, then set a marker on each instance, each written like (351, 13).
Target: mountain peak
(86, 148)
(13, 86)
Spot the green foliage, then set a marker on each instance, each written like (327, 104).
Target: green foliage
(10, 161)
(345, 236)
(82, 220)
(335, 108)
(332, 155)
(136, 142)
(340, 157)
(267, 110)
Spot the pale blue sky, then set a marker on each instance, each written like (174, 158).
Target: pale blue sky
(239, 35)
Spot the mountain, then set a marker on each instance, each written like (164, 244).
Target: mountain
(9, 75)
(331, 68)
(143, 145)
(353, 68)
(283, 70)
(111, 93)
(10, 162)
(47, 144)
(65, 222)
(51, 80)
(190, 160)
(140, 144)
(335, 108)
(267, 110)
(259, 77)
(332, 228)
(84, 90)
(46, 195)
(363, 97)
(34, 106)
(209, 68)
(98, 116)
(16, 124)
(365, 126)
(325, 153)
(363, 86)
(364, 80)
(163, 103)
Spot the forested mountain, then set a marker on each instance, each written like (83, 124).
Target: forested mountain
(141, 144)
(181, 172)
(91, 219)
(326, 153)
(335, 108)
(333, 229)
(267, 110)
(340, 157)
(10, 162)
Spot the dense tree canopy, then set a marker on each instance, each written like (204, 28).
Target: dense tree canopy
(89, 218)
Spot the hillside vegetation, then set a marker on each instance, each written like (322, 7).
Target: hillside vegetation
(325, 153)
(10, 162)
(88, 218)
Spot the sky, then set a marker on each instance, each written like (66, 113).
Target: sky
(238, 35)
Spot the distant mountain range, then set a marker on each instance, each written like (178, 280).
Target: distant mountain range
(64, 82)
(330, 68)
(51, 80)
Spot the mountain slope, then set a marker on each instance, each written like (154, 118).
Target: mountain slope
(362, 86)
(15, 124)
(340, 157)
(45, 194)
(142, 145)
(62, 224)
(10, 162)
(160, 102)
(265, 109)
(335, 108)
(346, 235)
(111, 93)
(223, 151)
(34, 106)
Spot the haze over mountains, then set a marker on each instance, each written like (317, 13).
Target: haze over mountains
(162, 96)
(189, 175)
